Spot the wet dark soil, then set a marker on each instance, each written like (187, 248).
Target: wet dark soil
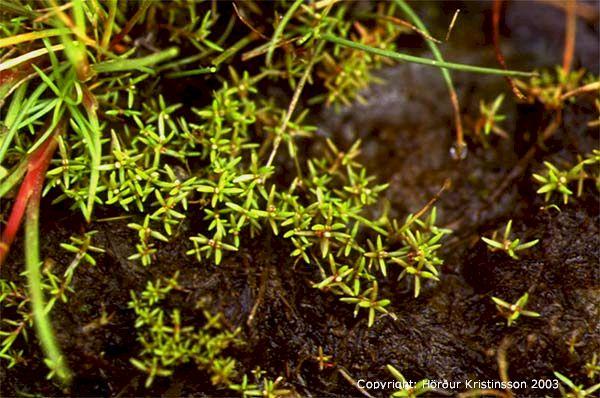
(453, 330)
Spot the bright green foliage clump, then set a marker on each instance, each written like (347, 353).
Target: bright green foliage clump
(168, 342)
(514, 310)
(557, 181)
(510, 247)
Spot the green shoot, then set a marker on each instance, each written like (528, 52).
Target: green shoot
(510, 247)
(512, 312)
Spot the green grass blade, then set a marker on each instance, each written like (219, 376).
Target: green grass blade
(286, 18)
(123, 65)
(423, 61)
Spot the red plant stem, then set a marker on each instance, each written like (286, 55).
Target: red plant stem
(496, 34)
(570, 27)
(31, 188)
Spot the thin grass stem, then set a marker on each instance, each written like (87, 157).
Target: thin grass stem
(11, 63)
(424, 61)
(460, 145)
(279, 30)
(123, 65)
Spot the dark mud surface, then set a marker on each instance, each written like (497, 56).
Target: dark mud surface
(453, 330)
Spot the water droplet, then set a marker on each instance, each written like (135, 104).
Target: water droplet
(459, 152)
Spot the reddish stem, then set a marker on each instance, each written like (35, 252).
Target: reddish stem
(496, 33)
(31, 187)
(570, 27)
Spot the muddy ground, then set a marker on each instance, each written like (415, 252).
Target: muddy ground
(453, 330)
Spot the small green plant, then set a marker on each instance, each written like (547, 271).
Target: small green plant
(145, 249)
(167, 343)
(512, 312)
(592, 367)
(490, 112)
(367, 299)
(13, 301)
(556, 181)
(408, 390)
(83, 249)
(549, 86)
(489, 119)
(510, 247)
(576, 391)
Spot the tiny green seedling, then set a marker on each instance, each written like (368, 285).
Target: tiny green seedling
(577, 391)
(592, 367)
(325, 361)
(490, 116)
(407, 389)
(506, 245)
(555, 180)
(514, 310)
(367, 299)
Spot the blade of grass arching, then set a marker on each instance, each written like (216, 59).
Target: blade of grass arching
(445, 73)
(48, 81)
(11, 63)
(423, 61)
(25, 37)
(279, 30)
(123, 65)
